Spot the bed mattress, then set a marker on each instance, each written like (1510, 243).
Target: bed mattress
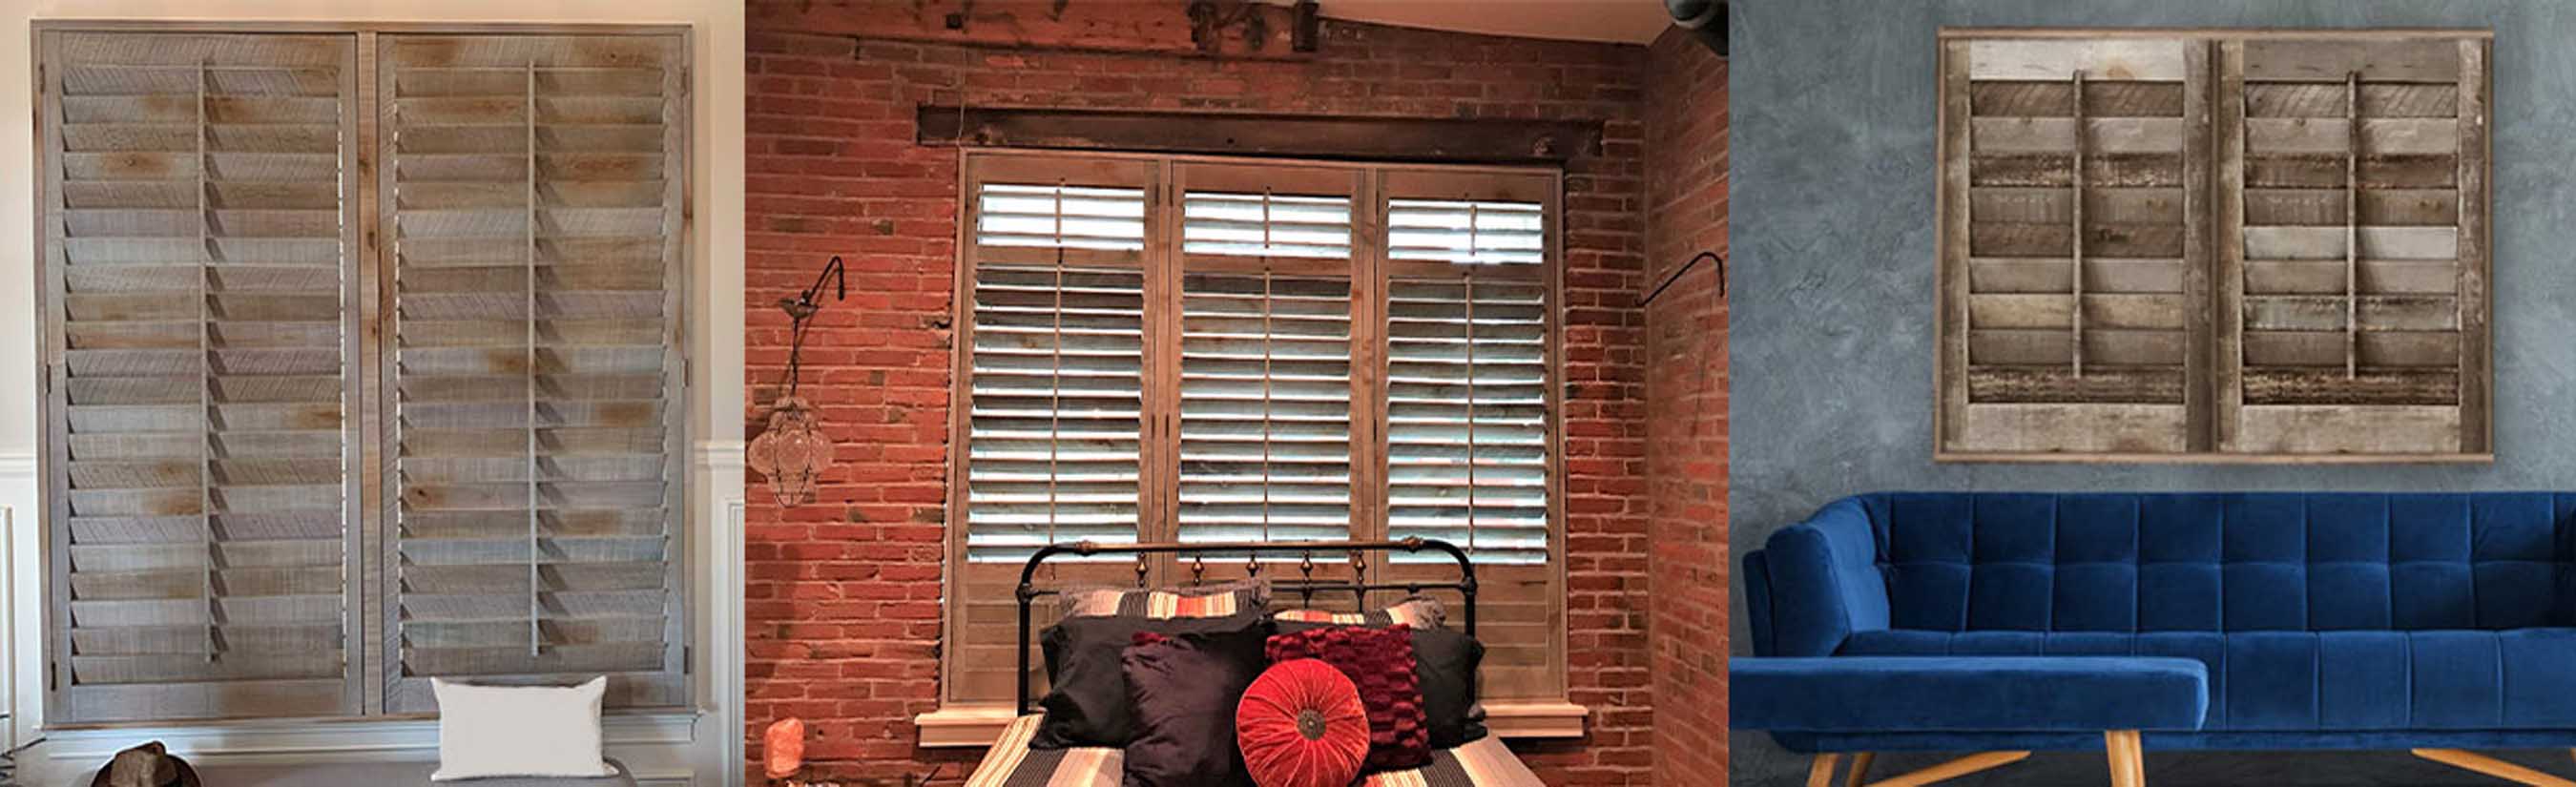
(1012, 763)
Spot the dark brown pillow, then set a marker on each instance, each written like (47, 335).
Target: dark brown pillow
(1184, 688)
(1086, 703)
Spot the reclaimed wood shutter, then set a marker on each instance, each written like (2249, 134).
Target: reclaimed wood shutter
(1470, 402)
(2216, 247)
(2069, 187)
(1054, 375)
(1266, 449)
(202, 444)
(532, 194)
(2353, 266)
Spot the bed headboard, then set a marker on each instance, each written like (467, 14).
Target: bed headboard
(1306, 585)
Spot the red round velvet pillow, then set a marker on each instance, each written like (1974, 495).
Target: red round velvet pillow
(1302, 725)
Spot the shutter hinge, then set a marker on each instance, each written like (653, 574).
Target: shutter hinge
(53, 675)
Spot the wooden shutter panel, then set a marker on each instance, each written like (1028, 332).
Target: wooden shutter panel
(1470, 409)
(2072, 247)
(532, 193)
(199, 409)
(2354, 250)
(1054, 375)
(1265, 353)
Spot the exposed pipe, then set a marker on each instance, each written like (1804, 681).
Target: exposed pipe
(1705, 19)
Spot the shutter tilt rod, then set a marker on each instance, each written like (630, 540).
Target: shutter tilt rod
(1685, 268)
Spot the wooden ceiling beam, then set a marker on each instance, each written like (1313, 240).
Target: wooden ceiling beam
(1450, 140)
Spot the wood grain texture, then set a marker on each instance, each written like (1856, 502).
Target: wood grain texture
(2110, 59)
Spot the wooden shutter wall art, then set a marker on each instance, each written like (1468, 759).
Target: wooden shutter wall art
(531, 193)
(200, 408)
(2213, 246)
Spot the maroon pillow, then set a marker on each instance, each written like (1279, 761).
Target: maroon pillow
(1380, 662)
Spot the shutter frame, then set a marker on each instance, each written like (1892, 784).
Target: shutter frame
(121, 73)
(608, 598)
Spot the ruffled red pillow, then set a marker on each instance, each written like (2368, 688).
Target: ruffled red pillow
(1380, 662)
(1302, 725)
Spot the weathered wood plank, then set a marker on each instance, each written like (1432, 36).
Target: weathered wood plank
(2101, 275)
(2379, 136)
(2102, 99)
(2435, 60)
(2376, 313)
(2476, 341)
(2106, 59)
(2226, 266)
(2072, 428)
(2317, 243)
(2377, 277)
(2056, 205)
(2325, 207)
(2108, 136)
(2327, 172)
(2000, 239)
(2058, 170)
(2328, 429)
(2378, 349)
(2108, 347)
(2199, 238)
(2323, 100)
(2005, 384)
(2330, 386)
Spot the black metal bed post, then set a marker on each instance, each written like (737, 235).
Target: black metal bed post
(1028, 592)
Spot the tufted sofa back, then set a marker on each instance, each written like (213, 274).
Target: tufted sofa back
(1957, 561)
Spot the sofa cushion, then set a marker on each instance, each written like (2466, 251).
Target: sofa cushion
(2519, 679)
(1980, 693)
(2112, 562)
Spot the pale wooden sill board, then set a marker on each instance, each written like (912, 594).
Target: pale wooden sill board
(975, 726)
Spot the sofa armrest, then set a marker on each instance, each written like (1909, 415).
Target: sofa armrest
(1824, 581)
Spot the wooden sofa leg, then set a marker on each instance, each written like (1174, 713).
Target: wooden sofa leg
(1954, 769)
(2128, 758)
(1821, 772)
(2480, 763)
(1859, 770)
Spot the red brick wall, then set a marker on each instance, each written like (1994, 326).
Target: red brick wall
(844, 594)
(1686, 400)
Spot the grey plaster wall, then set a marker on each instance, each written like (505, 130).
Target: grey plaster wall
(1832, 147)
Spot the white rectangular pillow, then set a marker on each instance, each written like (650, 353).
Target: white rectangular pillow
(486, 731)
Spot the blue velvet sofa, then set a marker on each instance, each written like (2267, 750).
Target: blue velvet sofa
(2434, 622)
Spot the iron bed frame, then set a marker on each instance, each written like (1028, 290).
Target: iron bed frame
(1306, 585)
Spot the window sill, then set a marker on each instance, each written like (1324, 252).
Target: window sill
(975, 726)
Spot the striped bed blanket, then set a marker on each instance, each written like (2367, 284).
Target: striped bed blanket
(1484, 763)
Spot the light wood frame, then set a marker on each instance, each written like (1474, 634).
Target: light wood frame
(2213, 393)
(366, 320)
(1370, 191)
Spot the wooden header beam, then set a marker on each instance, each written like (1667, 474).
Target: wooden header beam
(1488, 141)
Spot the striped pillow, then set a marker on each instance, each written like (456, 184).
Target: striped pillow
(1422, 612)
(1207, 601)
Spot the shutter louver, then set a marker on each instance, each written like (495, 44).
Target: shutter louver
(2078, 244)
(2360, 168)
(1468, 435)
(533, 196)
(1467, 415)
(200, 403)
(1265, 399)
(1057, 375)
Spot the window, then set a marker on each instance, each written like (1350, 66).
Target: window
(302, 458)
(1195, 349)
(2227, 246)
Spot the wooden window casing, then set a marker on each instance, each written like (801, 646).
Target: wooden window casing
(284, 222)
(2167, 245)
(1260, 390)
